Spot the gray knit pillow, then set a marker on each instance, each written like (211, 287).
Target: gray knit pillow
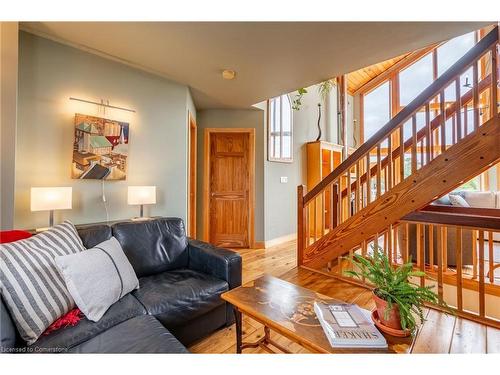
(98, 277)
(31, 286)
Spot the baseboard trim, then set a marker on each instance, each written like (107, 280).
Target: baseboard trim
(259, 245)
(280, 240)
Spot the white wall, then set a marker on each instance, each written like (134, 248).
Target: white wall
(8, 112)
(49, 73)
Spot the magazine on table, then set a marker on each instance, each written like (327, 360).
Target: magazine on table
(348, 326)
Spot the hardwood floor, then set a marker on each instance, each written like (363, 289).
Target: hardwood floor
(439, 334)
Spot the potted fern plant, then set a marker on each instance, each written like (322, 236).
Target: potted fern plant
(398, 301)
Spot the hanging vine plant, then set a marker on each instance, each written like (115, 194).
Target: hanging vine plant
(297, 100)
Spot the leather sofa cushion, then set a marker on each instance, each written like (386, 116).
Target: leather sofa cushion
(176, 297)
(142, 334)
(8, 332)
(68, 337)
(93, 234)
(153, 246)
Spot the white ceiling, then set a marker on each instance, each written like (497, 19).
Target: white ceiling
(270, 58)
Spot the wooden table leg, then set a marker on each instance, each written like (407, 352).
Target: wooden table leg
(239, 331)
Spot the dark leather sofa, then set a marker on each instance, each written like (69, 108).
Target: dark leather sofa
(178, 301)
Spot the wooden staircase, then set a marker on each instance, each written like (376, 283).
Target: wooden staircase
(428, 149)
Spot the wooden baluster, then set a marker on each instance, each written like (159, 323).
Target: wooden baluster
(389, 164)
(301, 233)
(421, 153)
(428, 134)
(315, 220)
(445, 248)
(475, 94)
(349, 212)
(322, 216)
(481, 274)
(395, 257)
(431, 246)
(335, 205)
(491, 258)
(368, 180)
(494, 79)
(308, 225)
(401, 154)
(332, 208)
(466, 119)
(440, 260)
(442, 111)
(358, 188)
(458, 257)
(389, 244)
(414, 144)
(458, 107)
(406, 240)
(379, 171)
(453, 131)
(474, 254)
(385, 244)
(421, 252)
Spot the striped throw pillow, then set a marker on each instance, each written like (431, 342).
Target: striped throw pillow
(31, 286)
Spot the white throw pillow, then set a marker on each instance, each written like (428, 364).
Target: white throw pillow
(480, 199)
(98, 277)
(457, 200)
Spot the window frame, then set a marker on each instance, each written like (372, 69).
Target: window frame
(271, 135)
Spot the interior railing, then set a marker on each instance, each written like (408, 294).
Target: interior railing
(440, 117)
(459, 250)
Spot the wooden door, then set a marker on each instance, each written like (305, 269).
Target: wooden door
(229, 194)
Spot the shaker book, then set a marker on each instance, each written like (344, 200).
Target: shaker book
(348, 326)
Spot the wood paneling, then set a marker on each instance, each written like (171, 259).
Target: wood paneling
(229, 187)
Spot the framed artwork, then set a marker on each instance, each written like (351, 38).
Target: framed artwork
(100, 148)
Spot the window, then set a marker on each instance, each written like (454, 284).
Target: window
(415, 79)
(280, 143)
(377, 110)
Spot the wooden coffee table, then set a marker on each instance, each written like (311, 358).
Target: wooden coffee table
(288, 310)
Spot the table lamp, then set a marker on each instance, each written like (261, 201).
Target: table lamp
(141, 195)
(50, 199)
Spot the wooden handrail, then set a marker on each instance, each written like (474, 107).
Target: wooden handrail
(471, 221)
(438, 85)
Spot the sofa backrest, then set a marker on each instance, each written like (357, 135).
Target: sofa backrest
(153, 246)
(8, 331)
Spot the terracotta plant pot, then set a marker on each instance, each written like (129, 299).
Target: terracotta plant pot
(393, 319)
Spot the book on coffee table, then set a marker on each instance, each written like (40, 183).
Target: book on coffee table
(348, 326)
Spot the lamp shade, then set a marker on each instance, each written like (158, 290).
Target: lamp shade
(51, 198)
(141, 195)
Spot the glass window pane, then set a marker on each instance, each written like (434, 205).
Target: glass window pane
(287, 145)
(450, 52)
(414, 79)
(287, 114)
(377, 110)
(277, 147)
(277, 114)
(271, 147)
(272, 118)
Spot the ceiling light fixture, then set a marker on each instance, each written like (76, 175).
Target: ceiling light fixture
(228, 74)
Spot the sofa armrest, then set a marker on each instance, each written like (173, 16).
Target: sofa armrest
(221, 263)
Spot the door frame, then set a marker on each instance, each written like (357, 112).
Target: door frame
(206, 180)
(192, 172)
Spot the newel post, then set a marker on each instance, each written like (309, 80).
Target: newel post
(301, 224)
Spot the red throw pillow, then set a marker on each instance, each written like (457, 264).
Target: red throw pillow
(70, 319)
(7, 236)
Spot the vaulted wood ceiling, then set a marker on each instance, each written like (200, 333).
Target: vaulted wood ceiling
(358, 78)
